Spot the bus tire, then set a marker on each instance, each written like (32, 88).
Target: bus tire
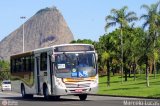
(24, 95)
(56, 98)
(46, 93)
(83, 97)
(23, 92)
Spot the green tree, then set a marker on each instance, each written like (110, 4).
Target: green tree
(122, 18)
(152, 21)
(108, 45)
(105, 59)
(85, 41)
(132, 48)
(4, 70)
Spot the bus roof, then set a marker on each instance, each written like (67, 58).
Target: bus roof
(45, 49)
(22, 54)
(54, 46)
(61, 45)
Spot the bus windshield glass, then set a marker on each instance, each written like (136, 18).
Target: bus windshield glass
(70, 65)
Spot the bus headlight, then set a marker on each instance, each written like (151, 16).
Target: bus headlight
(94, 83)
(59, 83)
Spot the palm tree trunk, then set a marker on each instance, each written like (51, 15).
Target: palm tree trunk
(155, 71)
(147, 79)
(121, 56)
(130, 71)
(113, 71)
(126, 74)
(134, 69)
(108, 73)
(147, 73)
(154, 67)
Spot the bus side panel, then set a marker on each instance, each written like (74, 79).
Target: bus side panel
(25, 78)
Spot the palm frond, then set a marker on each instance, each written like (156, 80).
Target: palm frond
(144, 16)
(124, 9)
(156, 5)
(114, 12)
(109, 25)
(130, 14)
(158, 19)
(146, 7)
(130, 19)
(154, 8)
(132, 25)
(110, 18)
(145, 24)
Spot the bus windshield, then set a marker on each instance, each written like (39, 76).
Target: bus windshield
(75, 65)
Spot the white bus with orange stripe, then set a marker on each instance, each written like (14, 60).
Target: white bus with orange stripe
(67, 69)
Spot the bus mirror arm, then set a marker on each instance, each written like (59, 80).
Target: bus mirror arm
(55, 64)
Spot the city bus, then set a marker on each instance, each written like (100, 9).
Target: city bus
(66, 69)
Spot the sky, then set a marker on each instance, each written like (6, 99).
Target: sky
(85, 18)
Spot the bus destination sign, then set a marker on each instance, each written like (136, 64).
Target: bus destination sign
(74, 48)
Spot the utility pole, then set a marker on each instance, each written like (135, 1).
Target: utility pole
(23, 17)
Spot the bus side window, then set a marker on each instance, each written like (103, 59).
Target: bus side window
(13, 66)
(18, 65)
(24, 64)
(32, 63)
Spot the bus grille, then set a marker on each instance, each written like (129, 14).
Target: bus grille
(77, 85)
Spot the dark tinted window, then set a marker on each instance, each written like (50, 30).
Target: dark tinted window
(22, 64)
(43, 62)
(7, 82)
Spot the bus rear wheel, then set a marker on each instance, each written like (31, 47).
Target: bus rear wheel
(83, 97)
(23, 92)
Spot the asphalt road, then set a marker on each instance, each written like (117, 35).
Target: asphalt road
(14, 99)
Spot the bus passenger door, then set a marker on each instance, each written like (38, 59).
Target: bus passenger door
(51, 73)
(38, 75)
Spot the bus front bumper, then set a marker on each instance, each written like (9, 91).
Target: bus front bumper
(75, 91)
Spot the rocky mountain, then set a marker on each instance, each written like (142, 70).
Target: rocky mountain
(47, 27)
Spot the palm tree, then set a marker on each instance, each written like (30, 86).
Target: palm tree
(122, 18)
(105, 58)
(105, 54)
(132, 47)
(152, 21)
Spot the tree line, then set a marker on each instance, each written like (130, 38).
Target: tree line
(128, 49)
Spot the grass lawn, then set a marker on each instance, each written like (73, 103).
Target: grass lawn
(131, 87)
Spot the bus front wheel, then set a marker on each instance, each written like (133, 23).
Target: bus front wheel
(46, 93)
(83, 97)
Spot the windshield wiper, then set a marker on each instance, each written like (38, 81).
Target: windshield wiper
(70, 60)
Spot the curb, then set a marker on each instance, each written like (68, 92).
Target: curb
(125, 96)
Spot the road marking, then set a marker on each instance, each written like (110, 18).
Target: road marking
(71, 104)
(10, 93)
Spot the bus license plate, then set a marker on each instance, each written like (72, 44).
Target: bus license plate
(78, 90)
